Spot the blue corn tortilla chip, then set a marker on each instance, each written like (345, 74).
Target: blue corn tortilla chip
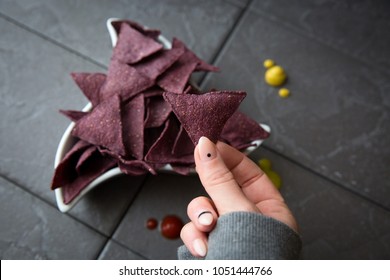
(204, 114)
(93, 168)
(65, 173)
(90, 84)
(136, 167)
(177, 76)
(240, 131)
(152, 33)
(158, 111)
(133, 126)
(85, 156)
(133, 46)
(183, 144)
(157, 64)
(74, 116)
(190, 56)
(161, 151)
(103, 126)
(125, 81)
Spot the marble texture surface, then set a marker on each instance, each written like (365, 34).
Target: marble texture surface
(329, 140)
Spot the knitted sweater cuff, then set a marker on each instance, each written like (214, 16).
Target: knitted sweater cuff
(244, 235)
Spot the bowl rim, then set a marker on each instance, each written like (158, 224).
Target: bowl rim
(67, 140)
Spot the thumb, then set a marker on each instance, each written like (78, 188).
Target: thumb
(219, 181)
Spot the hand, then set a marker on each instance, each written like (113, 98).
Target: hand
(234, 183)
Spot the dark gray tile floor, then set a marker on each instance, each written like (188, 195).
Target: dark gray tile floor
(329, 142)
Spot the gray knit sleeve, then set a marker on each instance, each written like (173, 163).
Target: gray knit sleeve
(244, 235)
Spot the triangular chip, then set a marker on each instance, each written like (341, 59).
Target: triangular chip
(152, 33)
(133, 46)
(103, 126)
(161, 151)
(66, 172)
(85, 156)
(73, 115)
(93, 168)
(155, 65)
(124, 80)
(90, 84)
(177, 76)
(204, 114)
(133, 126)
(158, 111)
(190, 56)
(240, 131)
(136, 167)
(183, 144)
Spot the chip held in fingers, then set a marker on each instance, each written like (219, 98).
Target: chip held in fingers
(204, 114)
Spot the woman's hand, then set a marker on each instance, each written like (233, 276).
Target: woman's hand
(234, 183)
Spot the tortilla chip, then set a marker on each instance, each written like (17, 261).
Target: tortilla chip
(93, 168)
(204, 114)
(133, 126)
(183, 144)
(133, 46)
(161, 151)
(155, 65)
(65, 172)
(74, 116)
(103, 126)
(152, 33)
(136, 167)
(158, 111)
(90, 84)
(177, 76)
(125, 81)
(240, 131)
(85, 156)
(189, 56)
(190, 89)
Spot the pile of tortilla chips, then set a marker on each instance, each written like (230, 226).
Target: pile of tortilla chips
(145, 113)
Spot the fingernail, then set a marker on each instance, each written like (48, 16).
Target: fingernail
(207, 150)
(199, 247)
(205, 218)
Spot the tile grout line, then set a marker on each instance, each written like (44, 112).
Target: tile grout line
(225, 41)
(296, 30)
(41, 199)
(121, 218)
(316, 173)
(51, 40)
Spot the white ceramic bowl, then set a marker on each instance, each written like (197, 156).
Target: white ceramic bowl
(67, 141)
